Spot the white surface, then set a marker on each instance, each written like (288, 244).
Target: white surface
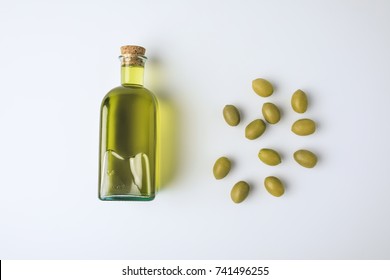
(59, 59)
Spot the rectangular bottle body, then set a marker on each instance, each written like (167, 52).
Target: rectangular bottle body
(127, 161)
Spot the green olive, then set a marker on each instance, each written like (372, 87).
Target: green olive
(231, 115)
(299, 101)
(304, 127)
(239, 192)
(269, 156)
(262, 87)
(305, 158)
(274, 186)
(271, 113)
(255, 129)
(221, 167)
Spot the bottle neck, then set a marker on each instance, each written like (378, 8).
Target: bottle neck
(132, 75)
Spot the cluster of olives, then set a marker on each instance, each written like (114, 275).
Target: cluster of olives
(256, 128)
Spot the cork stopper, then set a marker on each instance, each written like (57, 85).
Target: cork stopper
(133, 55)
(129, 49)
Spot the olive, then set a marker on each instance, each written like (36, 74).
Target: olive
(274, 186)
(305, 158)
(231, 115)
(239, 192)
(221, 167)
(304, 127)
(269, 156)
(271, 113)
(262, 87)
(299, 101)
(255, 129)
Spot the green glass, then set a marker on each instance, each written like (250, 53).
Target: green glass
(128, 139)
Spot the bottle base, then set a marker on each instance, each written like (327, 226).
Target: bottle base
(126, 198)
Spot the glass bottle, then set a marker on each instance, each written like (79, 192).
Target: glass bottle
(128, 131)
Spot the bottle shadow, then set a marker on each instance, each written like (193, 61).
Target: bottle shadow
(168, 143)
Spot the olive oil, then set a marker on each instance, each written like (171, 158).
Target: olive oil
(128, 134)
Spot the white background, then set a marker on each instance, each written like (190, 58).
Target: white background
(59, 58)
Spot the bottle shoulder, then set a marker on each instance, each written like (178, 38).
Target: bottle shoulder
(121, 90)
(125, 92)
